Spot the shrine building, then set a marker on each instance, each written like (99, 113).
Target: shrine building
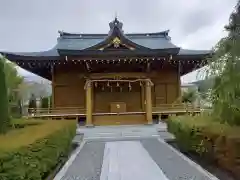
(112, 78)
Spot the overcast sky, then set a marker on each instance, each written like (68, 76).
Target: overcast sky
(32, 25)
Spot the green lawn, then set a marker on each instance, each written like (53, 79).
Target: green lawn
(16, 138)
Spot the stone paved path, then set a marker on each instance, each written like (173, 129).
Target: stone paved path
(128, 159)
(129, 153)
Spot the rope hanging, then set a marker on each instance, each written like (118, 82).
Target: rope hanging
(120, 80)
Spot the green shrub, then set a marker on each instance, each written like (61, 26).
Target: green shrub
(188, 138)
(36, 161)
(211, 140)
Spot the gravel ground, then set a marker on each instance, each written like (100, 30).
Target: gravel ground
(212, 168)
(88, 163)
(174, 167)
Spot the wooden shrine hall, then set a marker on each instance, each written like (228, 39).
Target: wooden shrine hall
(113, 78)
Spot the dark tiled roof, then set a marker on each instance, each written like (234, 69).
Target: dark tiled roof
(78, 42)
(151, 42)
(70, 41)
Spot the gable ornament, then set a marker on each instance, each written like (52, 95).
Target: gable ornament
(116, 42)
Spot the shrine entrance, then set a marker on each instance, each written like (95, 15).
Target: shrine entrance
(118, 101)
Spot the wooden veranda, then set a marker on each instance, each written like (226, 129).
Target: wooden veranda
(80, 113)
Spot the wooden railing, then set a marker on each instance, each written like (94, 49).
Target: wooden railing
(65, 111)
(57, 111)
(169, 108)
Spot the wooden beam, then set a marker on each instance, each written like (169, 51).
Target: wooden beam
(112, 75)
(118, 80)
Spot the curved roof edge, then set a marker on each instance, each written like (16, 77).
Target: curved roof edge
(48, 53)
(54, 53)
(186, 52)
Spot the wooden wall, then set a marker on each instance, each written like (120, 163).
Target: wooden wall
(124, 119)
(103, 100)
(166, 88)
(68, 91)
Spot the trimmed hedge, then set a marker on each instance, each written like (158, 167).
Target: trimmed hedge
(37, 160)
(211, 140)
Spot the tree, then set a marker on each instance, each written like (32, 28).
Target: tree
(225, 66)
(44, 102)
(13, 81)
(189, 96)
(32, 104)
(4, 113)
(50, 101)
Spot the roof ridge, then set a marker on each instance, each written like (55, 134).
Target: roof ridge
(65, 34)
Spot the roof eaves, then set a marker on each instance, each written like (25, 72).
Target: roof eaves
(189, 52)
(49, 53)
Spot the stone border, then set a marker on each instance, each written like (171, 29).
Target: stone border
(95, 138)
(69, 162)
(192, 163)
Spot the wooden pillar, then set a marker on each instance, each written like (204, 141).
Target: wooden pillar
(148, 91)
(179, 83)
(89, 105)
(53, 86)
(142, 97)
